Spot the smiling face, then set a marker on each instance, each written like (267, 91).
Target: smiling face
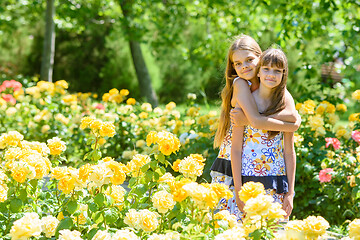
(270, 76)
(244, 63)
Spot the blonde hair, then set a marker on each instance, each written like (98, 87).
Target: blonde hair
(275, 58)
(242, 42)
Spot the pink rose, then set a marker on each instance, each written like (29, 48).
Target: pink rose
(356, 136)
(9, 98)
(324, 175)
(100, 106)
(332, 141)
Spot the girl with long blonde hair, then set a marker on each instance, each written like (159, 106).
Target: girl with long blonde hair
(241, 80)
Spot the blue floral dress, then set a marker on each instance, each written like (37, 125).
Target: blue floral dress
(262, 161)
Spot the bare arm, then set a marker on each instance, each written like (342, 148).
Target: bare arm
(290, 164)
(245, 100)
(236, 162)
(289, 114)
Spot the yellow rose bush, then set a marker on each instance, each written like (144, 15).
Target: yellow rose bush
(77, 167)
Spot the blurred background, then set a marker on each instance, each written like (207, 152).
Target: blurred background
(163, 49)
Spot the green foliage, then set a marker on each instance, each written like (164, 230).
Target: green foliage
(187, 40)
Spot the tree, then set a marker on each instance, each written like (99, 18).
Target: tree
(47, 62)
(142, 72)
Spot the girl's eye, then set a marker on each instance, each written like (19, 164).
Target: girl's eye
(265, 69)
(250, 60)
(278, 71)
(237, 64)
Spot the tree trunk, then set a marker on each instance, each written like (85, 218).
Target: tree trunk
(141, 70)
(142, 73)
(47, 62)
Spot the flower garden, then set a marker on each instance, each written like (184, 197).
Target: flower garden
(77, 167)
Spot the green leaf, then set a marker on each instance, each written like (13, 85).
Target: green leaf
(66, 223)
(15, 205)
(23, 195)
(93, 207)
(72, 206)
(145, 167)
(140, 190)
(161, 158)
(153, 165)
(96, 155)
(99, 199)
(110, 216)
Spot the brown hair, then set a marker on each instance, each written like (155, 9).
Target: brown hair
(275, 58)
(242, 42)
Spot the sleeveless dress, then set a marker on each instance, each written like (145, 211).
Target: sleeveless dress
(262, 161)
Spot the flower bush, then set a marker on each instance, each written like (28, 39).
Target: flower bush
(74, 167)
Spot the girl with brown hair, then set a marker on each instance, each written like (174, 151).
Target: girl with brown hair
(241, 71)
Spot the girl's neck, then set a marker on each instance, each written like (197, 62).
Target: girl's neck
(264, 92)
(254, 84)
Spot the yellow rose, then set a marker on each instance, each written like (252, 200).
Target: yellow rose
(354, 229)
(276, 211)
(117, 193)
(113, 91)
(168, 142)
(178, 192)
(12, 138)
(85, 122)
(49, 225)
(163, 201)
(3, 192)
(148, 220)
(356, 95)
(232, 233)
(341, 107)
(170, 106)
(26, 227)
(143, 115)
(66, 234)
(124, 235)
(222, 190)
(131, 101)
(151, 138)
(146, 107)
(62, 84)
(66, 184)
(124, 92)
(95, 124)
(190, 167)
(259, 205)
(320, 109)
(295, 225)
(102, 235)
(226, 216)
(333, 118)
(136, 163)
(107, 129)
(56, 146)
(315, 122)
(354, 117)
(106, 97)
(251, 190)
(132, 219)
(168, 178)
(21, 170)
(307, 107)
(314, 227)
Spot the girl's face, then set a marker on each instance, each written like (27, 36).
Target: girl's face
(270, 76)
(244, 63)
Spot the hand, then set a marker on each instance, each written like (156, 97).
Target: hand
(238, 118)
(240, 204)
(288, 203)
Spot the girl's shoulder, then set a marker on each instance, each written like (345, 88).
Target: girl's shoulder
(238, 79)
